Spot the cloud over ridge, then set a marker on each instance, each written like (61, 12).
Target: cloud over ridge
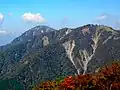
(34, 18)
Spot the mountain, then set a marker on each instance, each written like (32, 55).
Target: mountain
(43, 53)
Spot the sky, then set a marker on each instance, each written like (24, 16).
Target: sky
(17, 16)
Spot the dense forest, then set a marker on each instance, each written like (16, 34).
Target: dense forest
(107, 78)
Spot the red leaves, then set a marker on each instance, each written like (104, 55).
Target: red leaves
(80, 82)
(107, 79)
(115, 86)
(114, 69)
(108, 76)
(83, 80)
(111, 73)
(68, 83)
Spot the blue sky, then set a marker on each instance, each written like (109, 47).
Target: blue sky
(20, 15)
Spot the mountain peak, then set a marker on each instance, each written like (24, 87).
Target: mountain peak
(42, 27)
(35, 31)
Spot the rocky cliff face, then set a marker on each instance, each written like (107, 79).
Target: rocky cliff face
(43, 53)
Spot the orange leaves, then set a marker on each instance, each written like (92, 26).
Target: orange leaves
(46, 86)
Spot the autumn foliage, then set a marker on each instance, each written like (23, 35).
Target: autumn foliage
(108, 78)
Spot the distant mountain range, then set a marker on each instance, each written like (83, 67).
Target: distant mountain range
(43, 53)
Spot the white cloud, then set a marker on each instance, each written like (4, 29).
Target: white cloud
(102, 17)
(109, 20)
(31, 17)
(3, 32)
(1, 17)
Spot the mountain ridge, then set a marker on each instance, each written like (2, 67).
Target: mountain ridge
(53, 53)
